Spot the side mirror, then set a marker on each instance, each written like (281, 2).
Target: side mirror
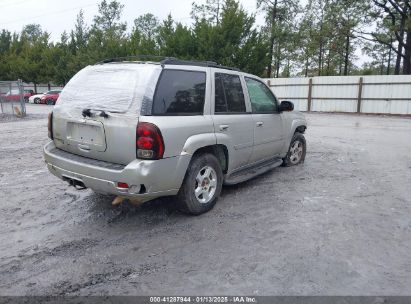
(286, 106)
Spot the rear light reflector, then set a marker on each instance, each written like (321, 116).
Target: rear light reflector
(149, 141)
(122, 185)
(50, 125)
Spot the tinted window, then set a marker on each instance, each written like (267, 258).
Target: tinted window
(229, 97)
(180, 92)
(261, 98)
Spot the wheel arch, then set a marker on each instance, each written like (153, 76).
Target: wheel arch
(300, 129)
(207, 143)
(219, 151)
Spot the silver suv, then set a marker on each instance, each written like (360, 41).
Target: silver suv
(142, 130)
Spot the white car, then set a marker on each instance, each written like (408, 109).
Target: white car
(36, 98)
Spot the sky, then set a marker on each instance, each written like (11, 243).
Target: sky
(58, 15)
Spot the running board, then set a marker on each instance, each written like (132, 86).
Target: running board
(253, 171)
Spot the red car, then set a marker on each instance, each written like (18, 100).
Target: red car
(14, 95)
(50, 97)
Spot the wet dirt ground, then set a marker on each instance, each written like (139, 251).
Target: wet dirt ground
(340, 224)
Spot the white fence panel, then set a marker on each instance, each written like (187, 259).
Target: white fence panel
(390, 94)
(325, 105)
(295, 89)
(299, 104)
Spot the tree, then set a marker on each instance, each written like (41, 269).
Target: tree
(26, 55)
(233, 41)
(280, 20)
(393, 19)
(145, 34)
(81, 32)
(107, 35)
(347, 16)
(108, 19)
(210, 11)
(5, 44)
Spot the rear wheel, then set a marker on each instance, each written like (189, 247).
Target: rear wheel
(296, 152)
(201, 186)
(26, 99)
(36, 100)
(50, 102)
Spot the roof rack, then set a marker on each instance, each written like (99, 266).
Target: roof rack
(169, 60)
(135, 58)
(212, 64)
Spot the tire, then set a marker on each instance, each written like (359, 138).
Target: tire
(296, 151)
(204, 168)
(36, 100)
(49, 102)
(26, 99)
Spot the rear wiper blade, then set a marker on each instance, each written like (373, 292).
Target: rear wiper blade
(103, 113)
(86, 112)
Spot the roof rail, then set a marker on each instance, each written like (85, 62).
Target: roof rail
(135, 57)
(212, 64)
(168, 60)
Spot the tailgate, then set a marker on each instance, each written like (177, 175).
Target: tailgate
(111, 139)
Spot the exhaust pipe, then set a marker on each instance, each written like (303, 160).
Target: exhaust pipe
(79, 185)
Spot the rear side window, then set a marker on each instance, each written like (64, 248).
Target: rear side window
(180, 93)
(229, 96)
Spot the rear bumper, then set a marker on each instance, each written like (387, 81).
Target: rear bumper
(160, 177)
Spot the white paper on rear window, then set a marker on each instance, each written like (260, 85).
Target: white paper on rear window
(117, 87)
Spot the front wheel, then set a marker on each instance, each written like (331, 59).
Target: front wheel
(36, 100)
(201, 186)
(50, 102)
(296, 152)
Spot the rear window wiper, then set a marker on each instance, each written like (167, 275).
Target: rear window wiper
(88, 113)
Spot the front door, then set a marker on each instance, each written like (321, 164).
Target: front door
(269, 137)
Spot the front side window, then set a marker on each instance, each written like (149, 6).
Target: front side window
(180, 93)
(229, 96)
(261, 98)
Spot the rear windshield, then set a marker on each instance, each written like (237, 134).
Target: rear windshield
(111, 87)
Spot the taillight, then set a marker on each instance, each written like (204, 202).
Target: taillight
(50, 125)
(149, 141)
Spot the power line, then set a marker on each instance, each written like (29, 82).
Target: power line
(47, 14)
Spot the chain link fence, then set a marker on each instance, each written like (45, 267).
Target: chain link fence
(13, 98)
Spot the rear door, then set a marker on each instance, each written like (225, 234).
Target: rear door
(233, 123)
(269, 136)
(111, 139)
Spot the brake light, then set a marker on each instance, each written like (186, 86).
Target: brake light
(50, 125)
(149, 141)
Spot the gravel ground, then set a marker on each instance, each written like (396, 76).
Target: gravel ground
(338, 225)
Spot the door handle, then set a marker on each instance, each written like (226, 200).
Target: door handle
(223, 127)
(259, 124)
